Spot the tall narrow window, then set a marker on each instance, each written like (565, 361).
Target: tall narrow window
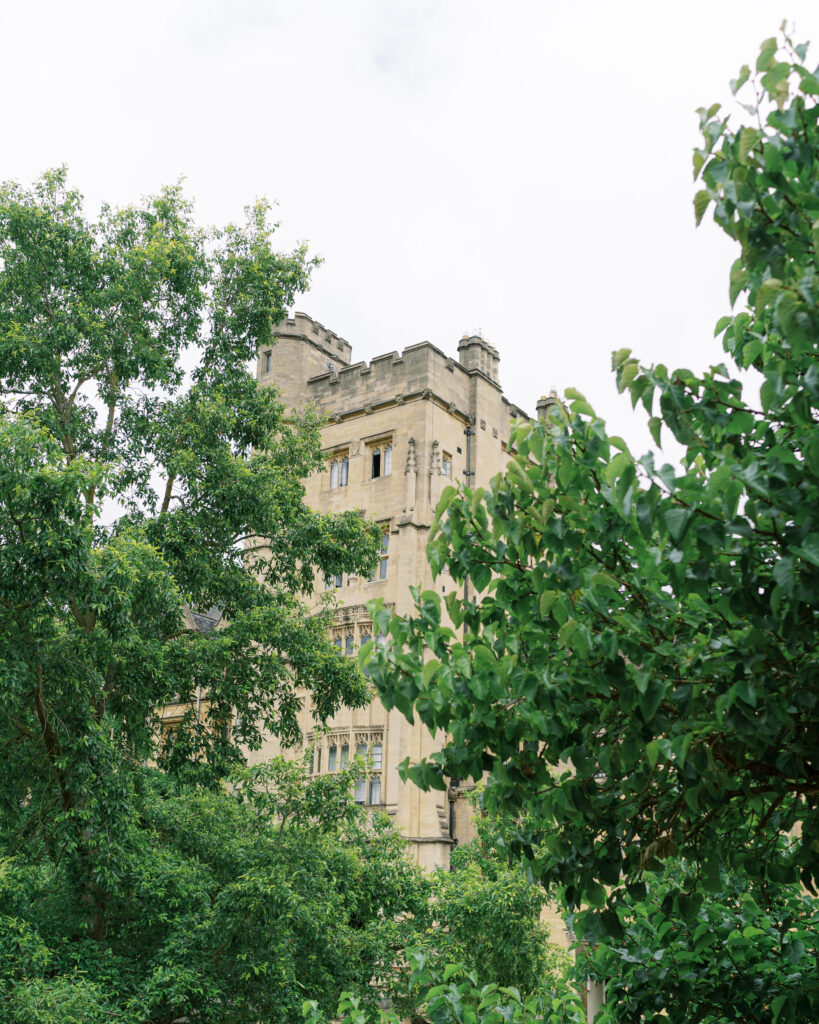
(385, 555)
(318, 760)
(446, 464)
(376, 463)
(345, 755)
(267, 357)
(332, 758)
(337, 642)
(377, 755)
(343, 472)
(349, 650)
(375, 790)
(334, 474)
(387, 460)
(360, 791)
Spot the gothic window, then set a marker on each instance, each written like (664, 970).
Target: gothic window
(267, 359)
(349, 648)
(446, 464)
(339, 470)
(345, 755)
(382, 569)
(381, 460)
(332, 758)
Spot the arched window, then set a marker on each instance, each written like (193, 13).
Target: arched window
(344, 470)
(334, 474)
(387, 460)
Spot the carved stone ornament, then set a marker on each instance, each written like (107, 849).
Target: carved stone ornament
(368, 410)
(412, 465)
(355, 448)
(426, 394)
(399, 399)
(451, 408)
(336, 417)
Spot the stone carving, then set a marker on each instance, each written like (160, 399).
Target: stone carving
(412, 462)
(355, 447)
(399, 399)
(435, 460)
(368, 410)
(426, 394)
(451, 408)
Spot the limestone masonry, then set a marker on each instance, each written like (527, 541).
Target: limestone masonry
(397, 428)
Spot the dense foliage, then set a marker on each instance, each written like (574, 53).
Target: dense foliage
(747, 952)
(141, 463)
(639, 668)
(235, 906)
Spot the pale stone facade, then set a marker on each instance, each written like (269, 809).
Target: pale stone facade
(397, 429)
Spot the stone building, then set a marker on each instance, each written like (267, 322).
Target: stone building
(397, 429)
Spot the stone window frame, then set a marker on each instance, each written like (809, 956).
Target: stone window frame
(382, 570)
(339, 467)
(381, 448)
(326, 757)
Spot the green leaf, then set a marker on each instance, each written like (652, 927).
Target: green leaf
(701, 201)
(748, 138)
(766, 54)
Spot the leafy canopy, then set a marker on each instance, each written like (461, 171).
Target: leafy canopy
(141, 466)
(639, 670)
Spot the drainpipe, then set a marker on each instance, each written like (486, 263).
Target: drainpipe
(468, 473)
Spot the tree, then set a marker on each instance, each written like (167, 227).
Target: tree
(639, 670)
(240, 903)
(747, 953)
(141, 465)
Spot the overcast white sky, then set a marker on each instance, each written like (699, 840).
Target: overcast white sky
(519, 168)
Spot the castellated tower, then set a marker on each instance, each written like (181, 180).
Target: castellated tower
(397, 429)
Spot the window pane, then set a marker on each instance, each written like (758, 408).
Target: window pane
(337, 642)
(360, 791)
(383, 572)
(375, 790)
(385, 543)
(388, 460)
(361, 749)
(267, 363)
(345, 755)
(348, 644)
(333, 474)
(377, 754)
(339, 580)
(318, 761)
(344, 472)
(376, 462)
(332, 758)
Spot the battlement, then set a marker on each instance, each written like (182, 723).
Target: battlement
(307, 329)
(391, 376)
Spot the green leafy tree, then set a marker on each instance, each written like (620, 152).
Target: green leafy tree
(141, 466)
(486, 914)
(747, 952)
(639, 670)
(237, 906)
